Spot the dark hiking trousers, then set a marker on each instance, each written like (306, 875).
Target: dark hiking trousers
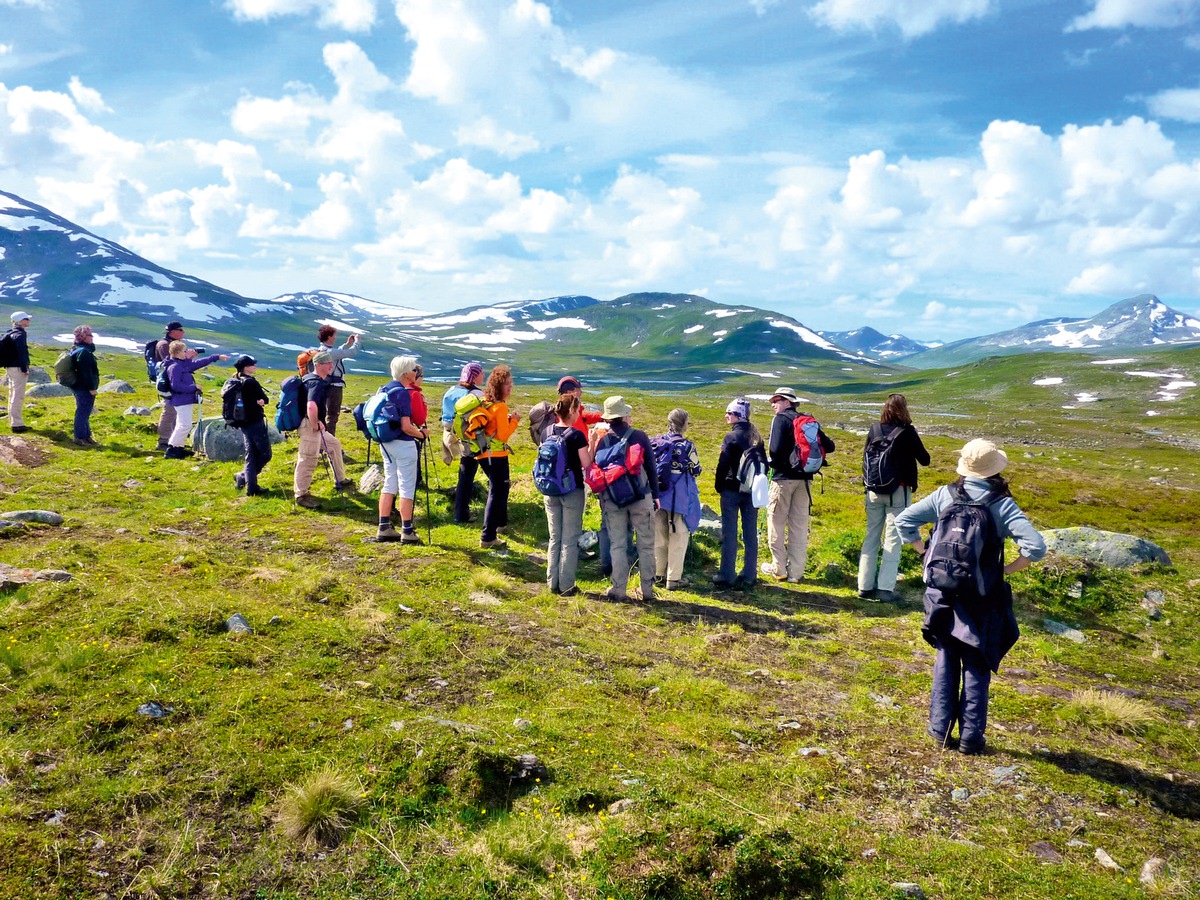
(495, 512)
(465, 491)
(735, 504)
(961, 680)
(257, 441)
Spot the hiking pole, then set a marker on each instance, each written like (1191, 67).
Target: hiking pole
(337, 485)
(428, 509)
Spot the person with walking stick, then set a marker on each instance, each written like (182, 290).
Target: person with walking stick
(314, 440)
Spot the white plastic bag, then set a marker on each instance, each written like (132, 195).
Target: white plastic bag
(760, 491)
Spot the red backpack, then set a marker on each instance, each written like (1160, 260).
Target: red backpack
(808, 455)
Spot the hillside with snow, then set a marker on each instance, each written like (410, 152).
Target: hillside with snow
(1137, 323)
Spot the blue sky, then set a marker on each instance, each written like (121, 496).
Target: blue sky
(940, 168)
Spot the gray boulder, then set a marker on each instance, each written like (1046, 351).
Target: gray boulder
(37, 375)
(220, 443)
(137, 411)
(41, 516)
(371, 480)
(1107, 548)
(49, 390)
(117, 387)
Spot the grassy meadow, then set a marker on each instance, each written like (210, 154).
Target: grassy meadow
(370, 739)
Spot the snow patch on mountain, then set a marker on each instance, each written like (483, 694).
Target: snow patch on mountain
(562, 323)
(693, 329)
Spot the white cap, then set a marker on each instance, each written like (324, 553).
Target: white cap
(20, 317)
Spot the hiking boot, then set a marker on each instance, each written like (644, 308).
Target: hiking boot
(946, 743)
(745, 585)
(387, 533)
(409, 537)
(974, 749)
(308, 501)
(721, 584)
(20, 429)
(613, 594)
(867, 595)
(569, 592)
(161, 445)
(79, 442)
(257, 492)
(239, 481)
(887, 596)
(174, 453)
(493, 544)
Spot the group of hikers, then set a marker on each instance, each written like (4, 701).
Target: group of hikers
(646, 487)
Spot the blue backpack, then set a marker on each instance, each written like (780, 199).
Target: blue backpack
(381, 419)
(293, 404)
(552, 474)
(150, 354)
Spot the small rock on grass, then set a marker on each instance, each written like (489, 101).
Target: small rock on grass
(1045, 852)
(1071, 634)
(811, 752)
(620, 806)
(909, 889)
(522, 724)
(960, 794)
(1107, 861)
(1001, 774)
(1152, 871)
(40, 516)
(237, 624)
(155, 710)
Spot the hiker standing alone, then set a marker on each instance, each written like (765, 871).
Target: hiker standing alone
(890, 457)
(162, 352)
(790, 506)
(314, 439)
(327, 334)
(970, 623)
(16, 345)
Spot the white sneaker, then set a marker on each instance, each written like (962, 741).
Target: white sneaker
(770, 569)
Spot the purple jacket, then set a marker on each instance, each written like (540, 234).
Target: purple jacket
(179, 375)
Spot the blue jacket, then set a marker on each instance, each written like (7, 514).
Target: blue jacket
(681, 493)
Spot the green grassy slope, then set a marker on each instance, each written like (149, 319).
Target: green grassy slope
(771, 745)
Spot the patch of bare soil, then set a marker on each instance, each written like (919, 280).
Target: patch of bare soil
(16, 451)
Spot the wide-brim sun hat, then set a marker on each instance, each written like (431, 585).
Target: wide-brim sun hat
(981, 458)
(616, 408)
(786, 393)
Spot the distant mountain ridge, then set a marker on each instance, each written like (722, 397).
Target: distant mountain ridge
(64, 274)
(1136, 323)
(871, 344)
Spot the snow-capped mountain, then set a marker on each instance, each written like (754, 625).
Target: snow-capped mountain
(871, 344)
(1139, 322)
(65, 275)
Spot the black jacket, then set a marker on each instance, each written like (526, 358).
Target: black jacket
(737, 442)
(252, 392)
(783, 442)
(907, 451)
(21, 345)
(87, 373)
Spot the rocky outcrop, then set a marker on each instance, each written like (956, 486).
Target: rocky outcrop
(1106, 548)
(220, 443)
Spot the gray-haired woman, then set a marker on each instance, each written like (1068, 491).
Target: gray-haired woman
(401, 454)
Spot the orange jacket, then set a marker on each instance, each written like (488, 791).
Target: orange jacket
(500, 426)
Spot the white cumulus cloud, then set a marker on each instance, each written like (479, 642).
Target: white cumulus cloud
(1139, 13)
(352, 15)
(1182, 104)
(914, 18)
(86, 98)
(485, 133)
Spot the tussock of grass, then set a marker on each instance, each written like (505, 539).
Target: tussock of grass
(492, 582)
(321, 811)
(1109, 711)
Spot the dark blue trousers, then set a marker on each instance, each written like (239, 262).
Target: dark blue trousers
(733, 505)
(961, 680)
(257, 440)
(495, 512)
(465, 491)
(84, 403)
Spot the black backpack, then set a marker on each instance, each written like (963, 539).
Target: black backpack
(233, 409)
(8, 349)
(150, 354)
(966, 551)
(881, 472)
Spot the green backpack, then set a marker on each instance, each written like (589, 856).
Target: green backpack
(65, 372)
(472, 434)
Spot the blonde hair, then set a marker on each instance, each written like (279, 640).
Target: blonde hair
(402, 365)
(176, 349)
